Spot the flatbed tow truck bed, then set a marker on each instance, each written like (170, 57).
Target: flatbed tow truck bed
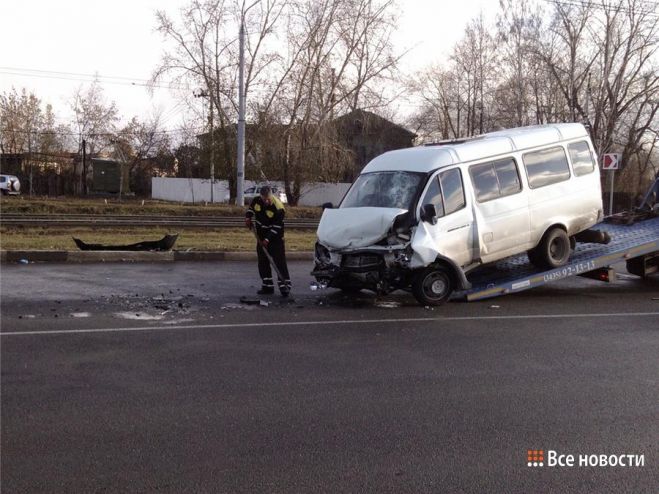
(516, 273)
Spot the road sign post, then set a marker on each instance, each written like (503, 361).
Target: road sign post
(611, 162)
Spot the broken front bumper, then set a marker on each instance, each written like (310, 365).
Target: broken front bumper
(361, 270)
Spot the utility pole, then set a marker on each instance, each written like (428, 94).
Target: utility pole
(240, 172)
(29, 151)
(122, 164)
(587, 106)
(240, 166)
(83, 172)
(210, 123)
(333, 95)
(204, 94)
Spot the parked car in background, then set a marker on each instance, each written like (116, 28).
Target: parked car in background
(252, 192)
(10, 185)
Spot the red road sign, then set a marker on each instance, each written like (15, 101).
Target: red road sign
(610, 161)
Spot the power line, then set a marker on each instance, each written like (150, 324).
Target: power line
(97, 134)
(80, 77)
(586, 4)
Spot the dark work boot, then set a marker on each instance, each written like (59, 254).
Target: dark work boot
(285, 287)
(267, 287)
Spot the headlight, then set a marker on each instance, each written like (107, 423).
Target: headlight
(322, 253)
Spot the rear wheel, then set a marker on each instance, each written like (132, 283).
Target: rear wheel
(553, 251)
(432, 286)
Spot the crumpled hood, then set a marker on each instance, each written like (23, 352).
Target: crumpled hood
(350, 228)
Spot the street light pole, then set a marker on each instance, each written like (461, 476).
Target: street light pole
(210, 119)
(204, 94)
(240, 172)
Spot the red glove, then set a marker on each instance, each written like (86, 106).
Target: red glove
(248, 223)
(265, 243)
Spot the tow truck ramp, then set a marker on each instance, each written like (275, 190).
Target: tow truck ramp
(516, 274)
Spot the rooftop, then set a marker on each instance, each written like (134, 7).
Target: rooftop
(428, 158)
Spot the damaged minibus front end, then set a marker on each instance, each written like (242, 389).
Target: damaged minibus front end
(365, 247)
(374, 240)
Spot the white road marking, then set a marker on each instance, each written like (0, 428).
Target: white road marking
(329, 323)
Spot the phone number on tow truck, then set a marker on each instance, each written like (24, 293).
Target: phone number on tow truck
(582, 267)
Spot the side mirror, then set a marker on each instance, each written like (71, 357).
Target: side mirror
(328, 205)
(429, 214)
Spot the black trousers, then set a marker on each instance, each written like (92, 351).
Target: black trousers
(277, 251)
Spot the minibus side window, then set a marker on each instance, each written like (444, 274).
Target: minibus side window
(546, 167)
(582, 159)
(494, 180)
(434, 196)
(485, 182)
(508, 177)
(454, 197)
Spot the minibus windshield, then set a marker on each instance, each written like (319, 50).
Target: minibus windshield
(395, 189)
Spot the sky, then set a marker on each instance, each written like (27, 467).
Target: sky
(51, 47)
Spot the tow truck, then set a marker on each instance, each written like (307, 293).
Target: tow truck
(631, 236)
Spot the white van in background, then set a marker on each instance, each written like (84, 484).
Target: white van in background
(423, 217)
(10, 185)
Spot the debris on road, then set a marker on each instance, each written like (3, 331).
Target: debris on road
(232, 305)
(139, 316)
(164, 244)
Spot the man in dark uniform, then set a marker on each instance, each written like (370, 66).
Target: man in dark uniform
(266, 213)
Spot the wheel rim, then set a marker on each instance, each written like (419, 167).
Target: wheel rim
(557, 249)
(435, 286)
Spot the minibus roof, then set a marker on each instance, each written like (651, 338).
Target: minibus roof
(428, 158)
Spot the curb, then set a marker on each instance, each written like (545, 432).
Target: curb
(78, 256)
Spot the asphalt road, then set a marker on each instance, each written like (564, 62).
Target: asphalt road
(154, 378)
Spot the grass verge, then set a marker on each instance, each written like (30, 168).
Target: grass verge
(132, 206)
(207, 239)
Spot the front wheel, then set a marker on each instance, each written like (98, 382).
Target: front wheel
(432, 286)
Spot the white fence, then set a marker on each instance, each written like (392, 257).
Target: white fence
(197, 190)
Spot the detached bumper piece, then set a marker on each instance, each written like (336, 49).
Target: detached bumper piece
(164, 244)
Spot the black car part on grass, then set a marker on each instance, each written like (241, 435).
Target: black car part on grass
(164, 244)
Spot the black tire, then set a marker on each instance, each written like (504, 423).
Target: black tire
(553, 251)
(432, 286)
(350, 290)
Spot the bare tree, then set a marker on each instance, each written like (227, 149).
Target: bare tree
(28, 128)
(22, 117)
(458, 97)
(339, 50)
(204, 54)
(95, 121)
(137, 145)
(626, 98)
(519, 23)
